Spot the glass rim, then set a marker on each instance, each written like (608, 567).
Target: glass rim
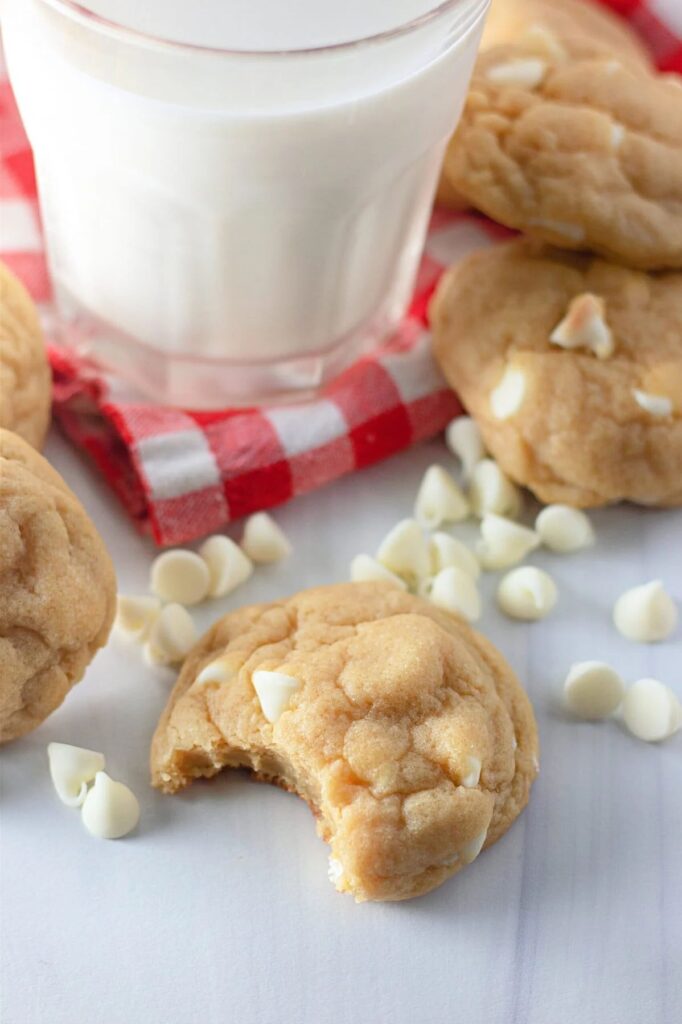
(82, 14)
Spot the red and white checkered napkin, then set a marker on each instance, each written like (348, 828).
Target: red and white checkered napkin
(182, 474)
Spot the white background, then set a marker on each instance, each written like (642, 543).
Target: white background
(218, 909)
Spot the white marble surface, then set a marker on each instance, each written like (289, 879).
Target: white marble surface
(219, 909)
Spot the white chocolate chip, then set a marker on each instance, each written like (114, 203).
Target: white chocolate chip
(110, 809)
(274, 691)
(651, 711)
(571, 232)
(540, 41)
(464, 440)
(527, 73)
(405, 552)
(507, 398)
(222, 670)
(491, 490)
(527, 593)
(228, 566)
(335, 872)
(71, 768)
(564, 529)
(503, 542)
(617, 135)
(656, 405)
(646, 613)
(473, 773)
(471, 850)
(365, 569)
(593, 689)
(447, 551)
(135, 616)
(585, 326)
(455, 591)
(264, 541)
(439, 499)
(180, 576)
(171, 637)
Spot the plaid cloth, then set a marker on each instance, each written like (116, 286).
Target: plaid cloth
(182, 474)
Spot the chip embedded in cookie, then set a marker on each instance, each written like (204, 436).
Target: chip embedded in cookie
(57, 588)
(572, 368)
(25, 379)
(404, 730)
(576, 148)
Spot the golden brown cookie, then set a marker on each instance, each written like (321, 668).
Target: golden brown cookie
(57, 588)
(25, 379)
(512, 21)
(577, 150)
(591, 417)
(407, 733)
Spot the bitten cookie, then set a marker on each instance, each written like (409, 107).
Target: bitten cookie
(404, 730)
(57, 588)
(575, 148)
(25, 379)
(572, 368)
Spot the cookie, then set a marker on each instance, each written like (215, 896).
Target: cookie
(512, 21)
(579, 150)
(25, 379)
(405, 731)
(572, 368)
(57, 588)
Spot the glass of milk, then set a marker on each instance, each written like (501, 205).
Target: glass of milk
(235, 193)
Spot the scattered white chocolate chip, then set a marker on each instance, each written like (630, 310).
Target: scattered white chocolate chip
(593, 689)
(651, 711)
(228, 566)
(274, 691)
(491, 490)
(447, 551)
(585, 326)
(564, 529)
(264, 541)
(171, 637)
(405, 552)
(646, 613)
(464, 440)
(473, 774)
(365, 569)
(180, 576)
(335, 871)
(135, 616)
(471, 850)
(439, 499)
(538, 39)
(503, 542)
(507, 397)
(527, 73)
(455, 591)
(110, 809)
(656, 405)
(71, 769)
(221, 670)
(617, 135)
(527, 593)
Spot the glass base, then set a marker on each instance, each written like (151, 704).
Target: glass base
(195, 382)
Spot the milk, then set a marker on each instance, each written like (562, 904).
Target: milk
(221, 224)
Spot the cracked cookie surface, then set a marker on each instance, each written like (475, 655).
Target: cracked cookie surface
(580, 433)
(57, 588)
(577, 149)
(25, 378)
(409, 737)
